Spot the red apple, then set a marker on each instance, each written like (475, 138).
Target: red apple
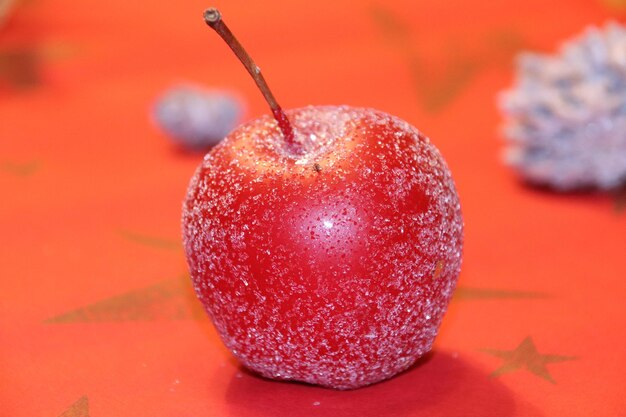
(328, 252)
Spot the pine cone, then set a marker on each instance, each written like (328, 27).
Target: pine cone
(196, 118)
(566, 124)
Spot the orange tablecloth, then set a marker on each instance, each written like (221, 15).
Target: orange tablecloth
(96, 314)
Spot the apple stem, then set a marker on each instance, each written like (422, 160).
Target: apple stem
(213, 18)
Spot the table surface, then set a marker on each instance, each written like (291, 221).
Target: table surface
(97, 316)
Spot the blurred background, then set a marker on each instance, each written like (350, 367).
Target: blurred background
(96, 313)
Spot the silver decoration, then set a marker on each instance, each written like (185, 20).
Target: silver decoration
(566, 114)
(197, 118)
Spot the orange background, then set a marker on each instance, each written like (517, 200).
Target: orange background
(96, 315)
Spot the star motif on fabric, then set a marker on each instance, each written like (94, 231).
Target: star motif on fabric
(20, 67)
(436, 89)
(79, 409)
(153, 241)
(525, 355)
(616, 4)
(474, 293)
(20, 169)
(172, 299)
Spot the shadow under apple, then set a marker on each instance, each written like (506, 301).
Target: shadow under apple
(440, 384)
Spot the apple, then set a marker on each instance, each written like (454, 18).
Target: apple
(324, 243)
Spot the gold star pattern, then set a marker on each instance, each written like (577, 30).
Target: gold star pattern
(153, 241)
(471, 293)
(525, 355)
(616, 4)
(24, 169)
(79, 409)
(436, 89)
(172, 299)
(20, 67)
(21, 64)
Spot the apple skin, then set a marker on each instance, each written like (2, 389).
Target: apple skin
(332, 264)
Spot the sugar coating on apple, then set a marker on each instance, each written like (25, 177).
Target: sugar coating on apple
(332, 265)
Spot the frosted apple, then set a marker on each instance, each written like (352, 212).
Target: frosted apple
(324, 243)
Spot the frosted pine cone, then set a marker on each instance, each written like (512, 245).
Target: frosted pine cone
(197, 118)
(567, 113)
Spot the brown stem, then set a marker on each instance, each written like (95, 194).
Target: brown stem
(213, 18)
